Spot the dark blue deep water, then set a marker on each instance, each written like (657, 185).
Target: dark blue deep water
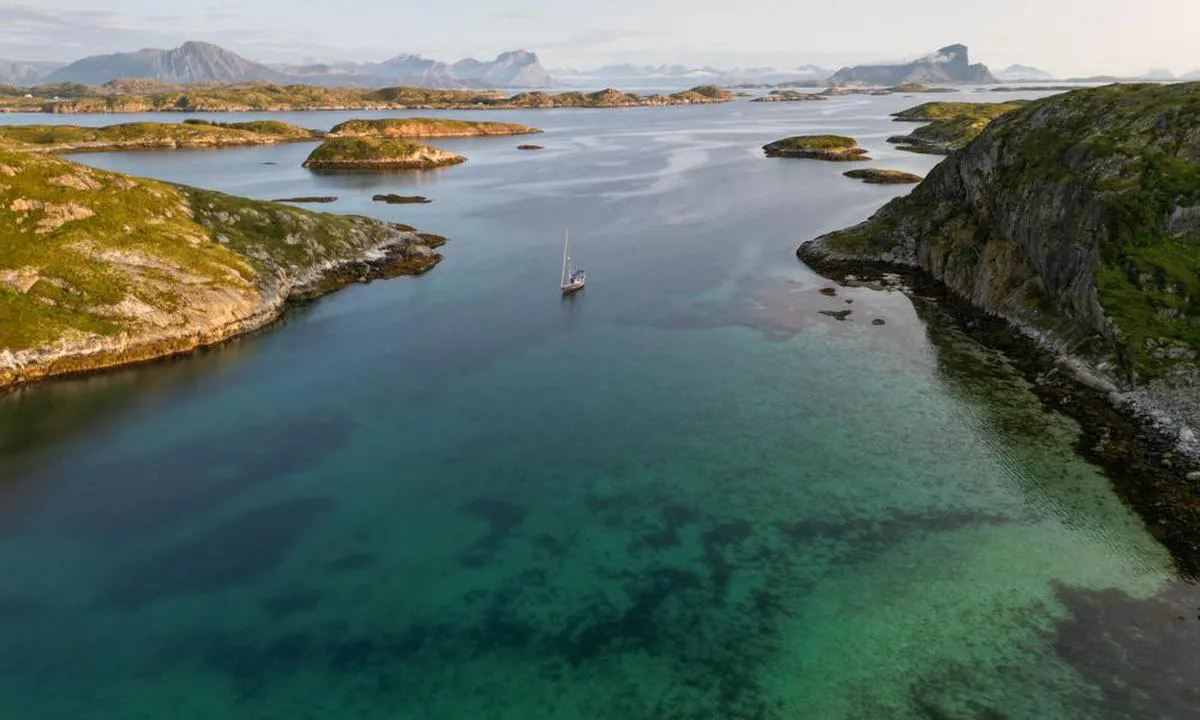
(683, 493)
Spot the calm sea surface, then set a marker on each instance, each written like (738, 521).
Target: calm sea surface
(683, 493)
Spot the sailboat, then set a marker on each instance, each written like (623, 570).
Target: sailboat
(572, 278)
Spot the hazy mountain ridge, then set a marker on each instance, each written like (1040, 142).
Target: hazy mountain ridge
(950, 64)
(191, 62)
(200, 62)
(19, 72)
(1014, 73)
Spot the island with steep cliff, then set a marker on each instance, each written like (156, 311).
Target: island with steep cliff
(99, 269)
(1075, 218)
(817, 147)
(365, 153)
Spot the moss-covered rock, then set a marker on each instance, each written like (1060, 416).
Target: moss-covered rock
(1077, 217)
(876, 176)
(354, 153)
(426, 128)
(99, 269)
(951, 125)
(154, 135)
(817, 147)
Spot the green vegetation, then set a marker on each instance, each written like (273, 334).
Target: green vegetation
(952, 124)
(100, 269)
(61, 138)
(148, 96)
(1088, 194)
(75, 241)
(426, 127)
(817, 147)
(379, 153)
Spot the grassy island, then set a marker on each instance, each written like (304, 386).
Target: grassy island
(427, 128)
(153, 135)
(951, 125)
(99, 269)
(817, 147)
(360, 153)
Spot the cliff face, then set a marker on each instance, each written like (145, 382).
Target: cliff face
(1076, 217)
(99, 269)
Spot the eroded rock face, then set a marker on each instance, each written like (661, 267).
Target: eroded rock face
(1076, 217)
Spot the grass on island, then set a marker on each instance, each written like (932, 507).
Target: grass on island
(379, 152)
(148, 96)
(426, 127)
(153, 134)
(816, 142)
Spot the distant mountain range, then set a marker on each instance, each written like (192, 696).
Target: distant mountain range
(633, 76)
(949, 65)
(199, 62)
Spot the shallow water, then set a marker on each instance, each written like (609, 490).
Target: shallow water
(681, 494)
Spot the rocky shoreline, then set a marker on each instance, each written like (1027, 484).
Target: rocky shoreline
(404, 252)
(1124, 433)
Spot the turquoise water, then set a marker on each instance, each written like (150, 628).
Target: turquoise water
(683, 493)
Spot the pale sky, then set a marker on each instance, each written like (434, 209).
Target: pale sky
(1066, 37)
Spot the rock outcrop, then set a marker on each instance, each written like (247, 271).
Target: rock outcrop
(875, 176)
(99, 269)
(1076, 218)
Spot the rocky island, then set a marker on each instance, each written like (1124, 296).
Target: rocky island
(951, 125)
(154, 135)
(875, 176)
(426, 128)
(1076, 219)
(817, 147)
(99, 269)
(789, 96)
(361, 153)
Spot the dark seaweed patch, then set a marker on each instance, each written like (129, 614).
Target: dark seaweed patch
(502, 518)
(1144, 655)
(241, 551)
(292, 601)
(151, 491)
(353, 561)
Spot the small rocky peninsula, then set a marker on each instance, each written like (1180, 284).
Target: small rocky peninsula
(817, 147)
(951, 125)
(99, 269)
(1076, 219)
(154, 135)
(362, 153)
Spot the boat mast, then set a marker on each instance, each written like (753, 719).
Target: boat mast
(566, 241)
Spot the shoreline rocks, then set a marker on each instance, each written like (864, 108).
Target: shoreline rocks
(308, 199)
(392, 199)
(875, 176)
